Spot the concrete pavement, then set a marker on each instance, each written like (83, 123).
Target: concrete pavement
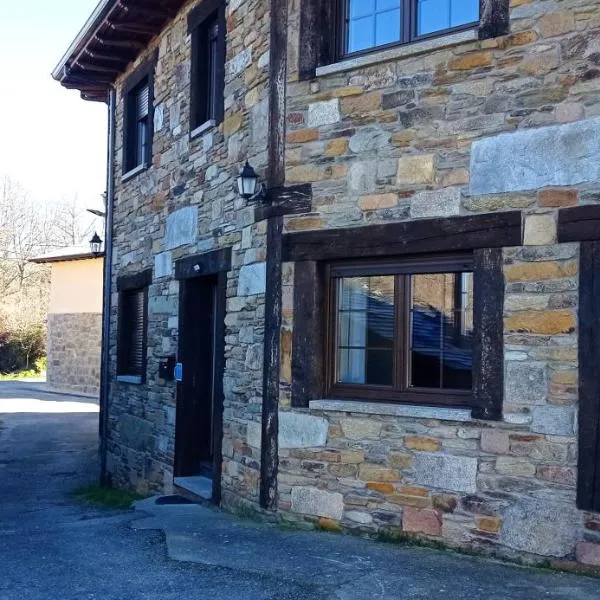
(51, 547)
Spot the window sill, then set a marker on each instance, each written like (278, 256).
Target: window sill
(428, 45)
(133, 379)
(462, 415)
(202, 129)
(131, 174)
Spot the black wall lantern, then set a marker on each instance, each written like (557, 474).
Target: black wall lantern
(96, 245)
(248, 183)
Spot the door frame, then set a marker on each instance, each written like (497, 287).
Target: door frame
(213, 263)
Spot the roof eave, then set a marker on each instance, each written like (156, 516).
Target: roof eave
(94, 20)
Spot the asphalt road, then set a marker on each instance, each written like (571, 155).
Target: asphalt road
(51, 548)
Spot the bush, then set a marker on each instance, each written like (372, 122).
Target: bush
(21, 347)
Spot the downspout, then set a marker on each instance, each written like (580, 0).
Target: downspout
(107, 274)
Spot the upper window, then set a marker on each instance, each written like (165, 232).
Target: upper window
(131, 349)
(402, 331)
(207, 71)
(369, 24)
(138, 126)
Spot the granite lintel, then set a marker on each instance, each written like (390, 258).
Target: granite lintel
(202, 128)
(403, 51)
(133, 172)
(133, 379)
(395, 410)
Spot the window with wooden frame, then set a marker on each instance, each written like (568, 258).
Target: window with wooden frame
(207, 28)
(137, 147)
(368, 24)
(401, 330)
(132, 325)
(362, 26)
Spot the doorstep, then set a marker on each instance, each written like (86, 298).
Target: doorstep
(197, 485)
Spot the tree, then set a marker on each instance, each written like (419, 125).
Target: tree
(28, 229)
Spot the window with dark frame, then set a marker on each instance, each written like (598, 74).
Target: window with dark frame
(401, 330)
(131, 349)
(207, 71)
(138, 126)
(370, 24)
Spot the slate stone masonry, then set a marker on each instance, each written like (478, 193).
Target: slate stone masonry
(454, 127)
(465, 128)
(74, 352)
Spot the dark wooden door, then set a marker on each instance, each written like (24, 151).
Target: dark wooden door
(195, 434)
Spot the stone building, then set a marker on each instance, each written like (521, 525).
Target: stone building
(74, 320)
(397, 337)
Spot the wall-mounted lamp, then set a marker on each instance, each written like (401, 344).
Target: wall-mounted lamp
(96, 245)
(248, 183)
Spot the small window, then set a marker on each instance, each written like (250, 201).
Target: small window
(207, 71)
(137, 145)
(402, 331)
(131, 349)
(369, 24)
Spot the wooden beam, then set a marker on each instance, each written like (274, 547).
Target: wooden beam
(292, 200)
(488, 334)
(208, 263)
(219, 371)
(308, 334)
(134, 281)
(269, 454)
(155, 11)
(133, 45)
(277, 92)
(579, 223)
(588, 469)
(318, 37)
(269, 450)
(122, 59)
(494, 18)
(128, 27)
(89, 68)
(410, 237)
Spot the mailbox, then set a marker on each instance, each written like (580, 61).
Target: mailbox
(166, 368)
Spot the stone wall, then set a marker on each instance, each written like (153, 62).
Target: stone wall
(185, 204)
(457, 127)
(74, 342)
(450, 127)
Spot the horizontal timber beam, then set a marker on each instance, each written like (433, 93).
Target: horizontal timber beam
(495, 230)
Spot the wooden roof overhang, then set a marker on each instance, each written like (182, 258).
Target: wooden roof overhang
(113, 36)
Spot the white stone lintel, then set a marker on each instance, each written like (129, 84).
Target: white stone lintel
(462, 415)
(405, 50)
(133, 172)
(133, 379)
(202, 128)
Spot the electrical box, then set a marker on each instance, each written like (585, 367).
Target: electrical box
(166, 368)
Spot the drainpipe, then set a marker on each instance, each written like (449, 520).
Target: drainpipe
(108, 247)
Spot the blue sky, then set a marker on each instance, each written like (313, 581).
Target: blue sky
(51, 141)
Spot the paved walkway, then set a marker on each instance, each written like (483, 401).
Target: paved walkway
(53, 548)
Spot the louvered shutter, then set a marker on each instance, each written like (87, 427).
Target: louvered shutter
(142, 103)
(136, 351)
(132, 324)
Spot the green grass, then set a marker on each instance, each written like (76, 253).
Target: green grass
(104, 497)
(38, 370)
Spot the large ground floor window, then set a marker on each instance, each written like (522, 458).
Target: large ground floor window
(401, 330)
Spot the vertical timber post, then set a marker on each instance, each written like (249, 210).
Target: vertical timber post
(276, 176)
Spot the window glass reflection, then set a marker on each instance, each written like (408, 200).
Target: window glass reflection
(437, 15)
(372, 23)
(441, 317)
(365, 330)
